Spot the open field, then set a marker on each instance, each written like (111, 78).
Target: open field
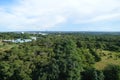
(108, 57)
(5, 46)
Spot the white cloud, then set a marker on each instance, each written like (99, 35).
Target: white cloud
(45, 14)
(103, 17)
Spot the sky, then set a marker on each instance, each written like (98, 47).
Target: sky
(59, 15)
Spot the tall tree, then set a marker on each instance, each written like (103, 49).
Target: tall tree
(68, 60)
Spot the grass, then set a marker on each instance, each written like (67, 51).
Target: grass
(107, 57)
(6, 46)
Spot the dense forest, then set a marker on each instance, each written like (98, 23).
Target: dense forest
(60, 56)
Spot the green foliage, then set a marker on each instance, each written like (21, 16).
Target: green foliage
(92, 74)
(67, 59)
(57, 56)
(112, 72)
(97, 57)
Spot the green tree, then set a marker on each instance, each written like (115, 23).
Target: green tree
(68, 60)
(101, 75)
(112, 72)
(92, 74)
(5, 70)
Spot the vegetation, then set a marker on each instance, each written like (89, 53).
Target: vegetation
(60, 56)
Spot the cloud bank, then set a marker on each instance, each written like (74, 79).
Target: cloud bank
(48, 14)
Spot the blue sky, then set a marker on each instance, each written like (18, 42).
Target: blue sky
(6, 2)
(59, 15)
